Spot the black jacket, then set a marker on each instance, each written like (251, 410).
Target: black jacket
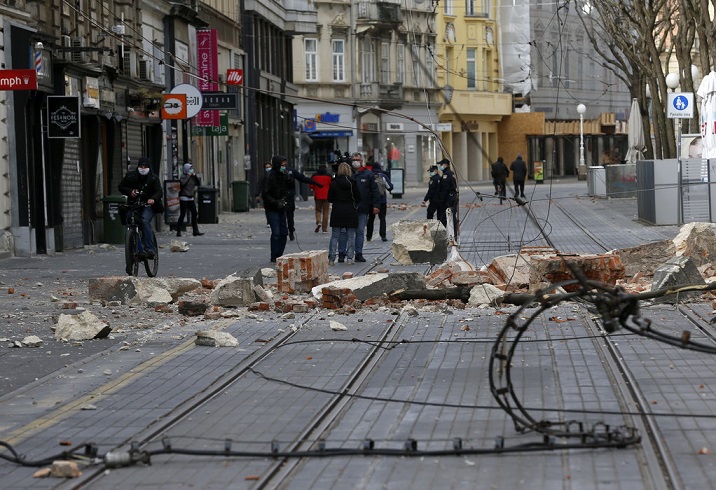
(499, 170)
(275, 188)
(433, 194)
(448, 187)
(343, 194)
(519, 169)
(368, 188)
(148, 186)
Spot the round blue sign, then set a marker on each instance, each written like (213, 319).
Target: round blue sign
(680, 103)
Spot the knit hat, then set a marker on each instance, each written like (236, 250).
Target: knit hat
(188, 167)
(143, 162)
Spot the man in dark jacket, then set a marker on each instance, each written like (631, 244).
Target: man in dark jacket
(434, 196)
(188, 183)
(448, 188)
(294, 175)
(369, 200)
(275, 195)
(143, 186)
(382, 180)
(519, 173)
(499, 178)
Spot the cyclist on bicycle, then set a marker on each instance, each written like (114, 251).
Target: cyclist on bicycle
(500, 173)
(143, 186)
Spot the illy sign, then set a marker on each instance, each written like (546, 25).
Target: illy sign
(234, 76)
(18, 80)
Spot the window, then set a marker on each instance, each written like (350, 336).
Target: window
(447, 7)
(471, 68)
(339, 60)
(470, 7)
(400, 63)
(311, 49)
(385, 63)
(416, 66)
(368, 59)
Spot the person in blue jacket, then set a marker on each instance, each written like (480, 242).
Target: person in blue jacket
(369, 201)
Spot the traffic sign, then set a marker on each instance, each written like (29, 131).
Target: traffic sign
(680, 105)
(193, 98)
(173, 106)
(219, 100)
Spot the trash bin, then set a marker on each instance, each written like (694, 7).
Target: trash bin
(208, 213)
(113, 227)
(240, 192)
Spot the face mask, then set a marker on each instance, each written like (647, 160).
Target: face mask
(268, 169)
(143, 171)
(356, 164)
(431, 174)
(283, 170)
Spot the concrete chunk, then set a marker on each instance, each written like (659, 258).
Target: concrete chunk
(234, 291)
(83, 326)
(375, 285)
(419, 242)
(675, 272)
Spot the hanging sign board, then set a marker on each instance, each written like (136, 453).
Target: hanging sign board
(63, 116)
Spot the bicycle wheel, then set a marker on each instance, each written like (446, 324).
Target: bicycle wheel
(152, 265)
(130, 252)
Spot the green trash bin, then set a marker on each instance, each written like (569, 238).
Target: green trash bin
(113, 227)
(240, 192)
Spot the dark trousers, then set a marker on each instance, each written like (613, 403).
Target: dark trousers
(519, 187)
(381, 218)
(147, 215)
(187, 208)
(279, 233)
(290, 209)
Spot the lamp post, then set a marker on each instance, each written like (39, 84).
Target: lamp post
(672, 81)
(581, 109)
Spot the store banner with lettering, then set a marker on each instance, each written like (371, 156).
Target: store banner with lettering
(63, 116)
(208, 67)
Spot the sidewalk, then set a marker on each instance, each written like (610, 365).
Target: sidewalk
(408, 383)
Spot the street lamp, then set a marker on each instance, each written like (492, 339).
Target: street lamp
(581, 109)
(672, 81)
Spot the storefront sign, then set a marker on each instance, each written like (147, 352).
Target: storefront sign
(18, 80)
(63, 116)
(234, 76)
(219, 100)
(221, 130)
(194, 99)
(173, 106)
(207, 60)
(90, 97)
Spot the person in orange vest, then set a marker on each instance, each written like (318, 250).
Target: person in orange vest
(320, 195)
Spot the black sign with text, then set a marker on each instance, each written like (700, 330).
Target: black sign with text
(63, 116)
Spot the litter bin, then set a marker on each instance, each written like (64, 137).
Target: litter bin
(207, 211)
(113, 227)
(240, 192)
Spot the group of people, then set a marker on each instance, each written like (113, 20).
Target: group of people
(348, 202)
(442, 191)
(500, 172)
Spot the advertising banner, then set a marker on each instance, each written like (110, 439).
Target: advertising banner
(63, 116)
(208, 67)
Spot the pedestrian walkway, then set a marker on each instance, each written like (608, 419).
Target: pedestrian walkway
(398, 399)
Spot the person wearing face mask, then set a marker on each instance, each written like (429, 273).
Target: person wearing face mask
(448, 188)
(369, 201)
(143, 186)
(267, 169)
(434, 196)
(275, 194)
(188, 184)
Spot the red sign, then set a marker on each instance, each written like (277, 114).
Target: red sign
(207, 59)
(18, 80)
(174, 106)
(234, 77)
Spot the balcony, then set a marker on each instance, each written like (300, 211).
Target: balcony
(483, 103)
(385, 96)
(379, 13)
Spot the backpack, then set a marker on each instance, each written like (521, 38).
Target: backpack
(380, 181)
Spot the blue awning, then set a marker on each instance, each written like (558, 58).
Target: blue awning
(330, 134)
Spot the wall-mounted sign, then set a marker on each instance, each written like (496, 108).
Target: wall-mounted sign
(444, 127)
(173, 106)
(394, 126)
(194, 98)
(219, 101)
(234, 76)
(221, 130)
(63, 116)
(90, 97)
(18, 80)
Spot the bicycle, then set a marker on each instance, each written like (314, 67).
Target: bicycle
(133, 250)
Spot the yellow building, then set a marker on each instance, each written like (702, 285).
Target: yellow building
(469, 73)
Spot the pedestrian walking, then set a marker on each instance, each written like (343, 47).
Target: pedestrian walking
(294, 175)
(267, 169)
(500, 172)
(434, 197)
(188, 183)
(344, 197)
(369, 201)
(448, 188)
(275, 195)
(382, 180)
(320, 196)
(519, 173)
(143, 186)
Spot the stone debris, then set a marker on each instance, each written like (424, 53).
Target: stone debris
(698, 241)
(234, 291)
(337, 326)
(676, 272)
(375, 285)
(300, 272)
(65, 469)
(178, 246)
(215, 338)
(485, 294)
(268, 272)
(82, 326)
(419, 242)
(32, 341)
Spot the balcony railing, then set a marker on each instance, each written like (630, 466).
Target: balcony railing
(380, 12)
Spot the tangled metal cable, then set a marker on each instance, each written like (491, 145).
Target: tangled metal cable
(616, 309)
